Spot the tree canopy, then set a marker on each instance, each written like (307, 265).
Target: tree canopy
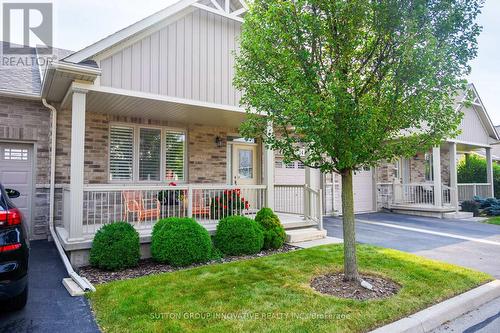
(354, 82)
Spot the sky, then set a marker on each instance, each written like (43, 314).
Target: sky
(79, 23)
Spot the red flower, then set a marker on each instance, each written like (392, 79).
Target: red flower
(172, 184)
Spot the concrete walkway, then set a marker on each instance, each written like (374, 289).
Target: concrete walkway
(49, 308)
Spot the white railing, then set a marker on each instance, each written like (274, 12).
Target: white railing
(143, 205)
(313, 206)
(469, 191)
(447, 194)
(299, 200)
(289, 199)
(419, 194)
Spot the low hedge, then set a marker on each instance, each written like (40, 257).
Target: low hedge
(274, 233)
(180, 242)
(116, 246)
(238, 235)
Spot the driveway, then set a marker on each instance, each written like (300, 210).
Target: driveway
(465, 243)
(49, 308)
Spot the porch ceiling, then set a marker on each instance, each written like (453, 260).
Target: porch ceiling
(136, 104)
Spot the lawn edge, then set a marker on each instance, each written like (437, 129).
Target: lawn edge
(435, 315)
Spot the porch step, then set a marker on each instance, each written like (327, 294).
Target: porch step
(304, 235)
(458, 215)
(299, 225)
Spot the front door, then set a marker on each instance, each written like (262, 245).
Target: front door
(244, 164)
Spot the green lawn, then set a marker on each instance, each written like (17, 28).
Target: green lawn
(272, 294)
(493, 220)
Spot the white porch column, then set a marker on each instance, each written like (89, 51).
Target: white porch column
(453, 175)
(489, 170)
(436, 170)
(77, 164)
(313, 178)
(269, 172)
(313, 181)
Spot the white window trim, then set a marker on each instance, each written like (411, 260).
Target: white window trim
(135, 153)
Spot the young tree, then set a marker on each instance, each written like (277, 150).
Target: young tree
(354, 82)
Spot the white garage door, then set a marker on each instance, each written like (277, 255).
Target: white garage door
(16, 165)
(363, 190)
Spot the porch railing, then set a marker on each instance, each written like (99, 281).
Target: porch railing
(447, 195)
(145, 204)
(299, 200)
(289, 199)
(419, 194)
(469, 191)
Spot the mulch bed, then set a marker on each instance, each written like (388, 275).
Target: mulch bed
(148, 267)
(333, 284)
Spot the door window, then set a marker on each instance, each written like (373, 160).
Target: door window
(245, 167)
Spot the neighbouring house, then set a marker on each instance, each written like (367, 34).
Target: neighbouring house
(425, 184)
(145, 125)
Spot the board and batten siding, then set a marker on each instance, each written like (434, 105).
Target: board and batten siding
(191, 58)
(472, 128)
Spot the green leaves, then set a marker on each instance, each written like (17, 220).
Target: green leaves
(344, 80)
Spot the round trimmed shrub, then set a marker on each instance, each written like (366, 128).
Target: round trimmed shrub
(274, 233)
(237, 235)
(115, 247)
(180, 242)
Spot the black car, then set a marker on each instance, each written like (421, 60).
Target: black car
(14, 252)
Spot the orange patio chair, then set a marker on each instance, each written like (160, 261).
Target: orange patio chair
(200, 205)
(134, 202)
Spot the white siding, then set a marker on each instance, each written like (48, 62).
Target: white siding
(472, 128)
(190, 58)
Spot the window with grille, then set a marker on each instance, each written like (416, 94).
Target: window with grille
(174, 155)
(121, 153)
(149, 154)
(15, 154)
(140, 153)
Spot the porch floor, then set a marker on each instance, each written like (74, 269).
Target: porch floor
(423, 207)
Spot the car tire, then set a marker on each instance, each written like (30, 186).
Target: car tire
(18, 302)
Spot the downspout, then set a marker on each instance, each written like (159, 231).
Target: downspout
(82, 283)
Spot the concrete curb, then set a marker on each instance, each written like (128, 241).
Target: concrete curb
(431, 318)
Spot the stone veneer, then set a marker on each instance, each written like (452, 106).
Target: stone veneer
(29, 122)
(385, 173)
(386, 170)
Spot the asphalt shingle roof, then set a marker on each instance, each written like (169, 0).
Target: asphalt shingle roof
(20, 73)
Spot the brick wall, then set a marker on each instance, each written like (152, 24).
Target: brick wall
(29, 121)
(206, 161)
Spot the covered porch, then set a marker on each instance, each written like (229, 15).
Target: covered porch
(140, 157)
(429, 184)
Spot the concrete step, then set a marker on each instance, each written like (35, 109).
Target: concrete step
(299, 225)
(458, 215)
(304, 235)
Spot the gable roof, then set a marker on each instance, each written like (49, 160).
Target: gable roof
(483, 114)
(232, 9)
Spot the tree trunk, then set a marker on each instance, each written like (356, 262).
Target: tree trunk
(350, 263)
